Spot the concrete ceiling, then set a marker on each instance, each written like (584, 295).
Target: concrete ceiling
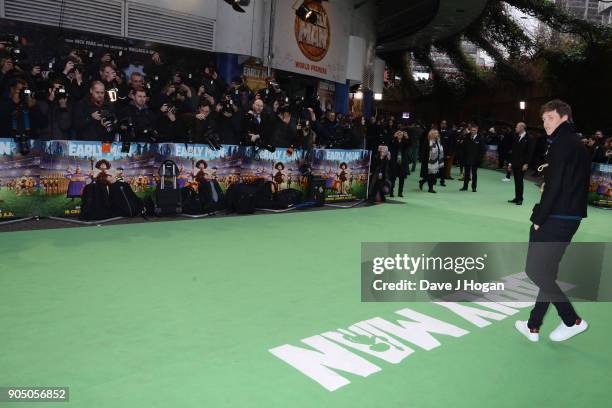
(404, 25)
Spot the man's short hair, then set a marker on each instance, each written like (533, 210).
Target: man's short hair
(105, 65)
(559, 106)
(204, 102)
(139, 89)
(94, 83)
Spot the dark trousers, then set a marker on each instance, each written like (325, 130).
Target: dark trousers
(448, 165)
(471, 173)
(400, 188)
(519, 185)
(431, 180)
(546, 248)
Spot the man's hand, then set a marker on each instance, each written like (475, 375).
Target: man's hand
(96, 116)
(51, 96)
(536, 227)
(510, 167)
(253, 137)
(171, 116)
(164, 108)
(68, 67)
(313, 117)
(200, 116)
(31, 103)
(525, 167)
(78, 77)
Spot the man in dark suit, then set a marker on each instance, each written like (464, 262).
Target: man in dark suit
(256, 125)
(555, 221)
(522, 150)
(474, 151)
(447, 137)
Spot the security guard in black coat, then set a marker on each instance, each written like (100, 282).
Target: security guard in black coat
(474, 149)
(522, 151)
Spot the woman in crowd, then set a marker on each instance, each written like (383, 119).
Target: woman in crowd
(400, 161)
(379, 173)
(432, 164)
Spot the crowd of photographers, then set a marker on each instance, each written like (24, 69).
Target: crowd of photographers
(84, 96)
(105, 96)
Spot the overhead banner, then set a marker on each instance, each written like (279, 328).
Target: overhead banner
(317, 45)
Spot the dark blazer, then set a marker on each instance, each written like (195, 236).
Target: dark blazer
(264, 128)
(447, 137)
(566, 178)
(474, 150)
(522, 150)
(397, 148)
(86, 127)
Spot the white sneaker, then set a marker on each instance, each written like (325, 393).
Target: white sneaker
(521, 326)
(506, 179)
(563, 332)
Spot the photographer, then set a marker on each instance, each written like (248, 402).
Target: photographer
(72, 76)
(284, 135)
(179, 96)
(93, 117)
(212, 82)
(157, 73)
(58, 109)
(167, 124)
(228, 120)
(137, 116)
(115, 88)
(200, 127)
(330, 134)
(7, 73)
(19, 112)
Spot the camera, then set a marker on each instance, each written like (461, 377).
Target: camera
(26, 95)
(62, 93)
(23, 144)
(228, 104)
(211, 138)
(108, 120)
(171, 108)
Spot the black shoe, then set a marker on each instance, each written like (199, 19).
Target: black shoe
(400, 195)
(421, 182)
(443, 184)
(391, 195)
(520, 202)
(513, 201)
(473, 190)
(432, 191)
(463, 189)
(450, 178)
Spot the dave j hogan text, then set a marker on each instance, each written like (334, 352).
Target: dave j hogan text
(425, 285)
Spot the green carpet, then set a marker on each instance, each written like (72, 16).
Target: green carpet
(183, 314)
